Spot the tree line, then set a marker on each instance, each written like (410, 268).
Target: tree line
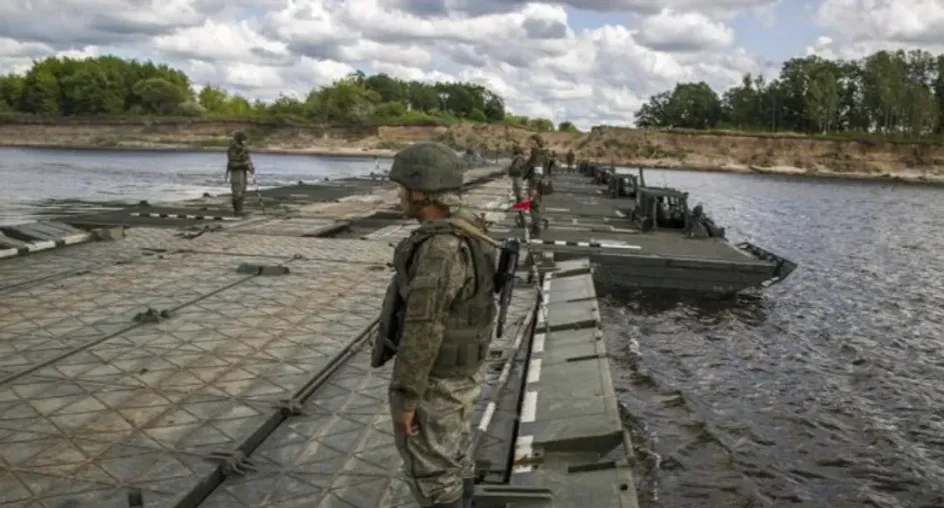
(112, 86)
(895, 94)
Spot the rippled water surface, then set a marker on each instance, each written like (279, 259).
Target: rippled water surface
(825, 391)
(828, 390)
(33, 178)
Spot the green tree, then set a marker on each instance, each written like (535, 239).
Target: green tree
(893, 93)
(567, 126)
(159, 96)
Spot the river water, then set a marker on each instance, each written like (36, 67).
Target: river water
(34, 179)
(824, 391)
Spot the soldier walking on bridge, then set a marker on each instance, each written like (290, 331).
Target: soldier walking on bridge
(571, 157)
(553, 163)
(516, 170)
(538, 156)
(437, 320)
(538, 177)
(238, 168)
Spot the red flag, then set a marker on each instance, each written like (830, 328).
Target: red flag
(522, 205)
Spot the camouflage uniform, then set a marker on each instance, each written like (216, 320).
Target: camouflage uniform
(571, 157)
(552, 163)
(516, 170)
(445, 282)
(239, 166)
(697, 227)
(538, 159)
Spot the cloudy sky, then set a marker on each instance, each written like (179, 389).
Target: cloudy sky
(589, 61)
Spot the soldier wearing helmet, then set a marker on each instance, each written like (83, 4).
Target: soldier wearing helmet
(516, 170)
(436, 322)
(238, 168)
(538, 178)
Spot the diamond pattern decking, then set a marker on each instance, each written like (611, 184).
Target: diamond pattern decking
(94, 403)
(147, 407)
(47, 320)
(340, 451)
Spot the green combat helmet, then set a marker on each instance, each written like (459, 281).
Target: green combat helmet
(428, 167)
(538, 139)
(239, 136)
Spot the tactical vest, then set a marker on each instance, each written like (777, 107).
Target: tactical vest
(538, 157)
(237, 157)
(517, 168)
(469, 323)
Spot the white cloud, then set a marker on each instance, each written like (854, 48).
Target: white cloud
(530, 53)
(684, 32)
(862, 27)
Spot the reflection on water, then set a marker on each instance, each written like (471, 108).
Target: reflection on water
(34, 178)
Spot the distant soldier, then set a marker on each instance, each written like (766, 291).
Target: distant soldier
(538, 156)
(516, 170)
(553, 163)
(571, 157)
(437, 321)
(238, 168)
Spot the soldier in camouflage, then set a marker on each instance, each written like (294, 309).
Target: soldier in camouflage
(238, 168)
(536, 177)
(538, 155)
(440, 308)
(571, 157)
(552, 163)
(516, 170)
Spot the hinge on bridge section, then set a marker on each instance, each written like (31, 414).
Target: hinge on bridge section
(151, 316)
(251, 269)
(234, 462)
(289, 407)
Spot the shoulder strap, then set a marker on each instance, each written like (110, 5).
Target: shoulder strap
(473, 231)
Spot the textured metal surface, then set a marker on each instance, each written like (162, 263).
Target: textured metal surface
(178, 212)
(121, 218)
(295, 226)
(323, 249)
(340, 452)
(570, 437)
(43, 230)
(95, 403)
(147, 407)
(50, 319)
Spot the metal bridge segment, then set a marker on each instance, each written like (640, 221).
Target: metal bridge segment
(227, 368)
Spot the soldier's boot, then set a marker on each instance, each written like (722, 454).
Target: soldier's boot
(238, 206)
(536, 226)
(468, 493)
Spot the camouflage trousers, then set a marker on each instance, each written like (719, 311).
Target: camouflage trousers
(537, 218)
(435, 461)
(238, 181)
(516, 187)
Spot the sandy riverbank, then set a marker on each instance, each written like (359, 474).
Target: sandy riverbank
(691, 150)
